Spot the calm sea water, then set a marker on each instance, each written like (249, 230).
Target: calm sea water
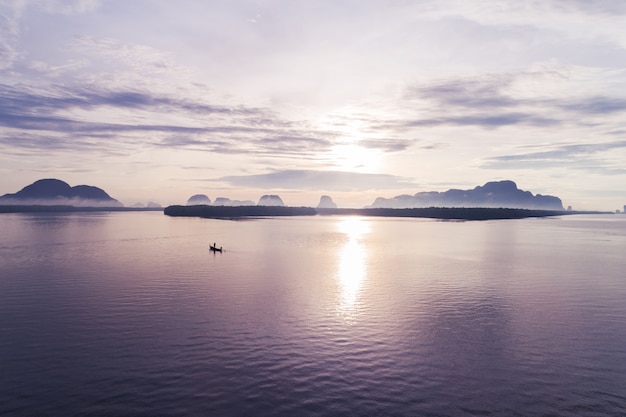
(129, 314)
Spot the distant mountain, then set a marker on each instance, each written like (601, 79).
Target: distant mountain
(326, 203)
(223, 201)
(150, 204)
(495, 194)
(198, 199)
(271, 200)
(50, 192)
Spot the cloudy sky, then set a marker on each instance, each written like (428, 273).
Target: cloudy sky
(156, 100)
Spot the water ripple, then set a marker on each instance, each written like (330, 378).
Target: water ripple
(129, 314)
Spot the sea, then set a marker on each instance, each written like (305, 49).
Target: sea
(131, 314)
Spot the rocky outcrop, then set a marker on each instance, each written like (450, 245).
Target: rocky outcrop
(198, 199)
(326, 203)
(271, 200)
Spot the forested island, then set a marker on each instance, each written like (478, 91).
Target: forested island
(231, 212)
(444, 213)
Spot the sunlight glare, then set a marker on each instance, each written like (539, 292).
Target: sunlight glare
(352, 262)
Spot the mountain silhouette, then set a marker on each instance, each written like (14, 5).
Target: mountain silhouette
(495, 194)
(270, 200)
(51, 191)
(198, 199)
(326, 202)
(224, 201)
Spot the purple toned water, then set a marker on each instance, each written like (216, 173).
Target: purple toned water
(130, 314)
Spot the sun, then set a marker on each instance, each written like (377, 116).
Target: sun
(351, 136)
(353, 157)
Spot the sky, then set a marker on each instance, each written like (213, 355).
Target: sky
(157, 100)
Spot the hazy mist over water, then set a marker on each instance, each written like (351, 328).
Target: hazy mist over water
(130, 314)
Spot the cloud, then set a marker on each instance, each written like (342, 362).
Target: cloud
(487, 121)
(22, 99)
(7, 54)
(136, 56)
(9, 32)
(12, 14)
(318, 180)
(386, 145)
(246, 141)
(67, 7)
(484, 92)
(584, 156)
(476, 101)
(29, 144)
(71, 113)
(496, 100)
(52, 108)
(595, 105)
(609, 7)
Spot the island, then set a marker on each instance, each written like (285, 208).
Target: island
(50, 195)
(491, 201)
(443, 213)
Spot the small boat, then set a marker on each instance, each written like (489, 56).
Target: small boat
(214, 248)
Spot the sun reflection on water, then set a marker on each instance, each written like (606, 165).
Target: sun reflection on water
(352, 269)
